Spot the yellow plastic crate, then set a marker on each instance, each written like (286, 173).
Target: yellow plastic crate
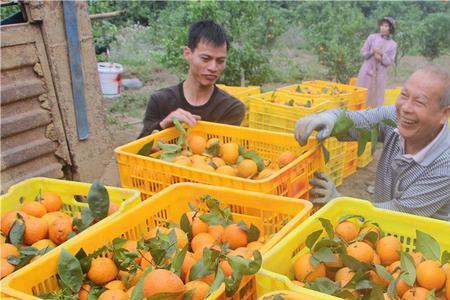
(338, 100)
(28, 189)
(283, 295)
(391, 95)
(150, 175)
(335, 165)
(275, 116)
(274, 216)
(366, 157)
(359, 94)
(278, 262)
(351, 158)
(242, 93)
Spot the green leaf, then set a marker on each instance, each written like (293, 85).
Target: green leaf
(16, 232)
(189, 294)
(374, 132)
(169, 157)
(351, 262)
(137, 293)
(218, 280)
(392, 288)
(381, 271)
(328, 227)
(84, 259)
(312, 238)
(326, 153)
(169, 148)
(344, 294)
(389, 122)
(363, 138)
(445, 258)
(186, 226)
(204, 266)
(431, 295)
(167, 295)
(335, 244)
(178, 126)
(213, 149)
(376, 293)
(69, 270)
(407, 264)
(86, 219)
(241, 150)
(426, 244)
(370, 236)
(342, 126)
(216, 215)
(94, 292)
(146, 149)
(246, 266)
(256, 158)
(323, 285)
(98, 200)
(324, 255)
(364, 284)
(232, 284)
(348, 217)
(181, 140)
(279, 296)
(178, 260)
(28, 250)
(118, 243)
(252, 233)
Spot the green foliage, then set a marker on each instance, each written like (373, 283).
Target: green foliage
(434, 35)
(251, 27)
(7, 11)
(336, 43)
(268, 39)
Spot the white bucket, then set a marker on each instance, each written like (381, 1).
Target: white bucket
(110, 78)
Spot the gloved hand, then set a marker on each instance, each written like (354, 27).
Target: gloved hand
(323, 123)
(324, 187)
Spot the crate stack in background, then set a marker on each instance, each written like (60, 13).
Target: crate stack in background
(279, 110)
(242, 93)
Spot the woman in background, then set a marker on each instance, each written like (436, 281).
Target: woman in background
(378, 53)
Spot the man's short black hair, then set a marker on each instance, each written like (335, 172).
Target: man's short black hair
(207, 31)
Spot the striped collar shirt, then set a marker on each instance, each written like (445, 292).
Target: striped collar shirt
(427, 151)
(418, 184)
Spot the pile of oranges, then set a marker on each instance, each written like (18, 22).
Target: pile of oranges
(362, 252)
(227, 159)
(155, 269)
(44, 227)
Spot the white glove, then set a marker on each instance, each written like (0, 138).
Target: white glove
(323, 123)
(324, 187)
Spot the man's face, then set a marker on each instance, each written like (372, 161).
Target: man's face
(384, 28)
(419, 114)
(206, 62)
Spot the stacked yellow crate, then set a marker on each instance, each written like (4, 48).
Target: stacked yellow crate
(242, 93)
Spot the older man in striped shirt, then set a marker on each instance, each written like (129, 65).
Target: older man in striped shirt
(413, 174)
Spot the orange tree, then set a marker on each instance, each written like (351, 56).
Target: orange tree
(335, 32)
(251, 27)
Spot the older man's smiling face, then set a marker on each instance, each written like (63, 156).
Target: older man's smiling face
(420, 116)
